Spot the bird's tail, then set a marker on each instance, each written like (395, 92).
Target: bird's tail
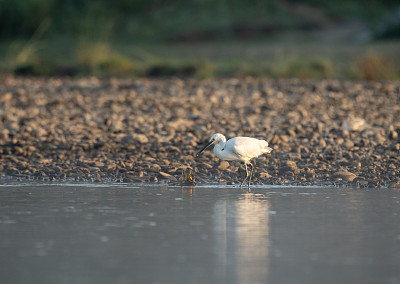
(266, 149)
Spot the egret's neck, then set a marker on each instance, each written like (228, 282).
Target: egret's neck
(219, 149)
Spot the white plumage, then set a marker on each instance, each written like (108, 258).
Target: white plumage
(238, 149)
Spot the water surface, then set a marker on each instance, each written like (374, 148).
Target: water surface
(160, 234)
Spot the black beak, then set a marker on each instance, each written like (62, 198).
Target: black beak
(205, 147)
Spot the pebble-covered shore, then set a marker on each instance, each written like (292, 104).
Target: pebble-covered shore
(149, 130)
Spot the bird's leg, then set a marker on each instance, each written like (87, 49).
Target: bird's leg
(247, 174)
(251, 173)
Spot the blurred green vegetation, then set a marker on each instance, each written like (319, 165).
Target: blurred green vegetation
(196, 38)
(176, 19)
(63, 57)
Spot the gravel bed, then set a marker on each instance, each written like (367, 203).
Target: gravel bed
(148, 130)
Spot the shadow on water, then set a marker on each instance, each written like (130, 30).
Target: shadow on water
(161, 234)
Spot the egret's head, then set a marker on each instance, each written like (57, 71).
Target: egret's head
(217, 137)
(214, 139)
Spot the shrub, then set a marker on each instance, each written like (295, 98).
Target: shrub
(373, 67)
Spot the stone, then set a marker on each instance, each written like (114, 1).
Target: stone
(39, 131)
(111, 166)
(120, 128)
(356, 124)
(343, 175)
(45, 161)
(223, 165)
(94, 169)
(291, 164)
(12, 171)
(98, 164)
(265, 175)
(137, 137)
(154, 168)
(166, 176)
(205, 165)
(348, 144)
(285, 138)
(393, 135)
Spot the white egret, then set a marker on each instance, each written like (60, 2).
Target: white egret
(238, 149)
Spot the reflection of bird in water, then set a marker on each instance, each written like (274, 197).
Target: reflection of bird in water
(238, 149)
(242, 235)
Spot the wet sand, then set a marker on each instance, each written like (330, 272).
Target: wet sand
(148, 130)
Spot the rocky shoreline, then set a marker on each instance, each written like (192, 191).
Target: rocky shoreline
(148, 130)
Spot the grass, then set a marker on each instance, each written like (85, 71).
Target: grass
(100, 59)
(200, 39)
(273, 58)
(373, 66)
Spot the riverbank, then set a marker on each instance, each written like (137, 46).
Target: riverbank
(322, 132)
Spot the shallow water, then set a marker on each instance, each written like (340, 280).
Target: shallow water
(159, 234)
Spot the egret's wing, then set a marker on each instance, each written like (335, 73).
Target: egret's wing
(248, 148)
(238, 154)
(244, 147)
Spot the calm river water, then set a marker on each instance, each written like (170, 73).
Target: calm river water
(76, 234)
